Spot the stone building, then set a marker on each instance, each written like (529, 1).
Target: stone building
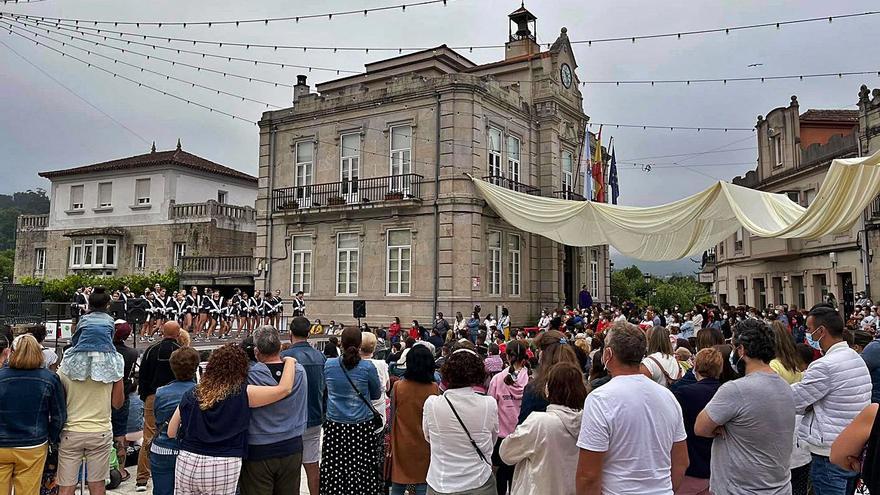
(144, 213)
(364, 193)
(794, 152)
(869, 143)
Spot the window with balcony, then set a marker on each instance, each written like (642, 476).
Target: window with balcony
(401, 157)
(39, 262)
(93, 252)
(738, 240)
(142, 192)
(301, 264)
(594, 272)
(105, 194)
(179, 253)
(567, 171)
(494, 244)
(349, 164)
(399, 262)
(513, 158)
(347, 258)
(76, 197)
(514, 257)
(140, 257)
(494, 151)
(304, 155)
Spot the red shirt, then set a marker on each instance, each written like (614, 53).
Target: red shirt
(414, 333)
(394, 329)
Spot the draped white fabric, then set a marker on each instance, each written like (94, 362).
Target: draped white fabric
(691, 225)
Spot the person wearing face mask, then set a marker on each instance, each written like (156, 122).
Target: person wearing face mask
(834, 389)
(632, 436)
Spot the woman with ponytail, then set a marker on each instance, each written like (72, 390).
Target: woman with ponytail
(507, 388)
(350, 454)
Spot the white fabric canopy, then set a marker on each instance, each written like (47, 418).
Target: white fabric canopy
(691, 225)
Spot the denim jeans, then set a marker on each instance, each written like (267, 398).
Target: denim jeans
(399, 489)
(162, 470)
(829, 479)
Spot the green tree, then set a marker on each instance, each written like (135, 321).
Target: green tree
(62, 289)
(7, 259)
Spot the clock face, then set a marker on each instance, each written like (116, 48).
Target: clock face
(565, 74)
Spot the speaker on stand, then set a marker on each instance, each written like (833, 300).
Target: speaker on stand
(359, 310)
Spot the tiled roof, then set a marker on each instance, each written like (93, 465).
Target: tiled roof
(832, 115)
(157, 158)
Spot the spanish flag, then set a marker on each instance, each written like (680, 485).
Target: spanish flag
(598, 170)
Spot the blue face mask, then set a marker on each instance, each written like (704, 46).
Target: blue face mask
(813, 343)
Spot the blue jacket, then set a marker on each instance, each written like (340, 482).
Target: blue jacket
(871, 355)
(32, 407)
(343, 404)
(167, 399)
(312, 361)
(281, 420)
(94, 333)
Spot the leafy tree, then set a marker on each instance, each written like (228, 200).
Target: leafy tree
(629, 284)
(7, 259)
(30, 202)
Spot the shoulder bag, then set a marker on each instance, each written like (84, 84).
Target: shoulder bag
(466, 432)
(376, 422)
(669, 380)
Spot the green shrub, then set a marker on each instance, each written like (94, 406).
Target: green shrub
(62, 289)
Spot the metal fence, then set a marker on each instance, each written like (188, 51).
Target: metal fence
(20, 304)
(348, 192)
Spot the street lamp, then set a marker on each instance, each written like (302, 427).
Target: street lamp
(647, 279)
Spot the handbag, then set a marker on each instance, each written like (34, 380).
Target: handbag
(376, 422)
(466, 432)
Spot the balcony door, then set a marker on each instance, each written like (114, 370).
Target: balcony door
(305, 153)
(401, 159)
(350, 157)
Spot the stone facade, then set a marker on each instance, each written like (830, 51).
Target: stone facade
(456, 114)
(102, 222)
(869, 143)
(794, 153)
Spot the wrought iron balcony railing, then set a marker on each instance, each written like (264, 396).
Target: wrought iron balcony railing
(569, 195)
(512, 184)
(374, 190)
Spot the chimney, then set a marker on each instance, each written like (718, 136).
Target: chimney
(301, 88)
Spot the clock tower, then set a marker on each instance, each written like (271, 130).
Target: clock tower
(522, 39)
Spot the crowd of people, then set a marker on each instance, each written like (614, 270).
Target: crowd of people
(589, 400)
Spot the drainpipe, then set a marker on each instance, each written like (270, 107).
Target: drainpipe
(267, 280)
(437, 210)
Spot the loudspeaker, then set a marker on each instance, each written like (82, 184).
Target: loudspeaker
(117, 310)
(359, 309)
(137, 311)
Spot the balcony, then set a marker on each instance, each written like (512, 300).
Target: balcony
(358, 192)
(512, 185)
(569, 195)
(874, 209)
(230, 217)
(216, 270)
(31, 222)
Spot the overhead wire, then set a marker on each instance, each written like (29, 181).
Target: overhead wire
(134, 81)
(74, 93)
(653, 82)
(588, 42)
(82, 31)
(162, 59)
(262, 20)
(17, 30)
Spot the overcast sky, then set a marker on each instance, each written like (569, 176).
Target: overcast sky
(44, 127)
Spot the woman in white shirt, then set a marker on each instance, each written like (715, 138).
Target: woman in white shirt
(368, 347)
(451, 420)
(660, 365)
(504, 323)
(544, 322)
(544, 446)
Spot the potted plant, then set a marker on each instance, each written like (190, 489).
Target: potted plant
(290, 204)
(336, 200)
(393, 195)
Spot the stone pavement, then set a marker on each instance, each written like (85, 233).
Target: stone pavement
(128, 488)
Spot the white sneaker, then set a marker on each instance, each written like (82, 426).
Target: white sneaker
(140, 487)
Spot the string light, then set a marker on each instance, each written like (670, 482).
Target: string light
(15, 30)
(338, 71)
(79, 30)
(154, 57)
(264, 20)
(470, 48)
(672, 127)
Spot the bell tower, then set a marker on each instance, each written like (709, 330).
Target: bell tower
(523, 40)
